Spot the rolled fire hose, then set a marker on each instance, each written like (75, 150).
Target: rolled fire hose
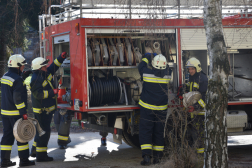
(191, 98)
(24, 130)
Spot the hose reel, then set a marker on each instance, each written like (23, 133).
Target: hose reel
(104, 90)
(24, 130)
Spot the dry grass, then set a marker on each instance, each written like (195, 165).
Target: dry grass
(180, 153)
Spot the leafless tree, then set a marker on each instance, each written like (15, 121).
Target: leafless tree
(217, 96)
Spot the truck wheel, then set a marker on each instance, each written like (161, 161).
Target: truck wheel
(129, 139)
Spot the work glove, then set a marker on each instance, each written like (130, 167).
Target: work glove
(180, 91)
(64, 55)
(24, 117)
(191, 109)
(25, 74)
(55, 91)
(148, 55)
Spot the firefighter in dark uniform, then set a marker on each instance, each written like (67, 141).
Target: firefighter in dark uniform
(13, 107)
(44, 102)
(153, 105)
(198, 81)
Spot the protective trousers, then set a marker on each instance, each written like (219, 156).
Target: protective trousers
(40, 142)
(63, 122)
(197, 130)
(8, 140)
(151, 132)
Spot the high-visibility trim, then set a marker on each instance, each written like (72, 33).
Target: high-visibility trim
(146, 146)
(37, 110)
(200, 150)
(44, 83)
(8, 78)
(10, 112)
(158, 148)
(56, 62)
(6, 147)
(50, 108)
(201, 113)
(47, 80)
(63, 138)
(154, 76)
(202, 103)
(145, 60)
(155, 80)
(21, 105)
(34, 144)
(50, 84)
(191, 83)
(7, 82)
(23, 147)
(45, 94)
(49, 77)
(195, 85)
(188, 84)
(152, 107)
(41, 149)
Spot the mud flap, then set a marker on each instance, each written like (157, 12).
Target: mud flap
(118, 124)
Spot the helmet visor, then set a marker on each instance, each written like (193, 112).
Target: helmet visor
(45, 62)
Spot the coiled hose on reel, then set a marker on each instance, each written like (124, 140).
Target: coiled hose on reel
(104, 90)
(24, 130)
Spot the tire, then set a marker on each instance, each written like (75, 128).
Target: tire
(129, 139)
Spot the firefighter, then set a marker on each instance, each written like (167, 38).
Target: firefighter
(198, 81)
(44, 102)
(14, 107)
(153, 104)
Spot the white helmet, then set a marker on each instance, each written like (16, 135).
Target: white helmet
(159, 62)
(16, 61)
(39, 62)
(194, 62)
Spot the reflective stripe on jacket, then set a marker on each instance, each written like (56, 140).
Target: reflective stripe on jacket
(198, 82)
(14, 94)
(155, 86)
(42, 85)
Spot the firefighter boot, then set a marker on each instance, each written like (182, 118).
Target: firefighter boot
(156, 160)
(7, 163)
(26, 162)
(33, 152)
(45, 159)
(103, 141)
(146, 161)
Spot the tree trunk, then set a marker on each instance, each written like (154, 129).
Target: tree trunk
(217, 95)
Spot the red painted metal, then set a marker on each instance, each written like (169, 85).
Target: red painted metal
(78, 47)
(179, 56)
(115, 131)
(238, 103)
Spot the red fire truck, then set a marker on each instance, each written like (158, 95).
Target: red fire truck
(100, 84)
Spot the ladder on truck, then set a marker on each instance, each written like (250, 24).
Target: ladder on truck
(131, 9)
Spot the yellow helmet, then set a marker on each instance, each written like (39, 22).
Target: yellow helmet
(16, 61)
(194, 62)
(159, 62)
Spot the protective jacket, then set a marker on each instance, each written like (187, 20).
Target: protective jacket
(14, 94)
(13, 106)
(154, 94)
(42, 86)
(198, 82)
